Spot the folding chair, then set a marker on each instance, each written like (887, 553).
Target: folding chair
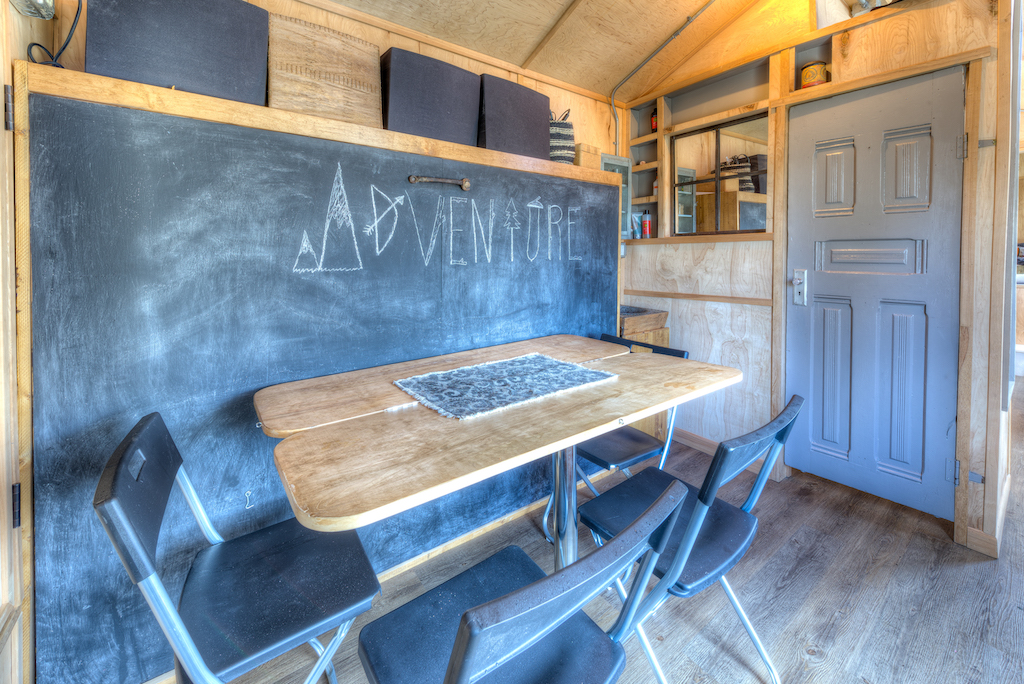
(246, 600)
(518, 626)
(711, 535)
(626, 446)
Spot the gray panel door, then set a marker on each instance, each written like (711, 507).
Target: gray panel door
(873, 329)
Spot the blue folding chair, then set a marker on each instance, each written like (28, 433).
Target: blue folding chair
(503, 621)
(246, 600)
(711, 535)
(626, 446)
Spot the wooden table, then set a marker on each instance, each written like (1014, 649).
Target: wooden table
(357, 449)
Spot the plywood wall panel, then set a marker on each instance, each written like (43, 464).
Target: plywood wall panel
(934, 30)
(762, 26)
(506, 30)
(735, 335)
(724, 269)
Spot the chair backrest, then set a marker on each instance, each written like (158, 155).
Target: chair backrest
(132, 494)
(494, 632)
(653, 347)
(731, 458)
(734, 456)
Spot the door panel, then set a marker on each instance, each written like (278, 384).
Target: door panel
(874, 198)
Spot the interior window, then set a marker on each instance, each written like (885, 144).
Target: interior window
(721, 177)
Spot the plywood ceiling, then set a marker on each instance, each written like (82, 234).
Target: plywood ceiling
(592, 44)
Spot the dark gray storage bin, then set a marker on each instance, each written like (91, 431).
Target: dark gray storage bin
(210, 47)
(427, 97)
(514, 118)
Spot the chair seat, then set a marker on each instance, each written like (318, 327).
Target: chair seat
(725, 536)
(620, 448)
(250, 599)
(413, 643)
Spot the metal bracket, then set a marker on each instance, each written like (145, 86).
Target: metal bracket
(8, 108)
(987, 143)
(975, 477)
(16, 499)
(961, 146)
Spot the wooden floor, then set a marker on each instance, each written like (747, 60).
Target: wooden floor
(841, 586)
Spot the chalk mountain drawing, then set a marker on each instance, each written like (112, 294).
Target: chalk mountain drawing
(339, 250)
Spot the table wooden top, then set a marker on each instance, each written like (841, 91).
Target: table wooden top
(304, 404)
(355, 472)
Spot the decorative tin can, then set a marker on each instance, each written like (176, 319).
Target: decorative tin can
(813, 74)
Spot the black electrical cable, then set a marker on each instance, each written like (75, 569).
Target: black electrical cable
(53, 58)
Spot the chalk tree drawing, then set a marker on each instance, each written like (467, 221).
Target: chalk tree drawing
(388, 227)
(533, 227)
(512, 224)
(336, 253)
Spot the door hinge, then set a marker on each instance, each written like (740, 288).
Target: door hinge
(961, 146)
(16, 500)
(956, 473)
(8, 108)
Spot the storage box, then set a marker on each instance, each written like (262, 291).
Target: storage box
(425, 96)
(514, 118)
(211, 47)
(316, 70)
(588, 156)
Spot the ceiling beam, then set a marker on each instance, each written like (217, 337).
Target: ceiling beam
(551, 34)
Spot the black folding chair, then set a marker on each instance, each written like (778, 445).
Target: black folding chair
(246, 600)
(711, 535)
(626, 446)
(504, 621)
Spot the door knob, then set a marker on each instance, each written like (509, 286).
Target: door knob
(800, 286)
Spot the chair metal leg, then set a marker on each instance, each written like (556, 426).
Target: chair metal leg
(332, 677)
(544, 519)
(645, 644)
(323, 663)
(586, 481)
(750, 630)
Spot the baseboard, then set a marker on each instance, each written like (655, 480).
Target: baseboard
(693, 441)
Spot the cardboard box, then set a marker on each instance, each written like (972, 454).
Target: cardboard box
(588, 156)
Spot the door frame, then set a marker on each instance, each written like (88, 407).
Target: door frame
(981, 451)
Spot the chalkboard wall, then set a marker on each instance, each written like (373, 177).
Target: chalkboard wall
(179, 266)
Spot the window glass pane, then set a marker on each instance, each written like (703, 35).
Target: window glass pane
(745, 163)
(694, 158)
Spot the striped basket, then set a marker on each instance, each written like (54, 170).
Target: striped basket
(563, 141)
